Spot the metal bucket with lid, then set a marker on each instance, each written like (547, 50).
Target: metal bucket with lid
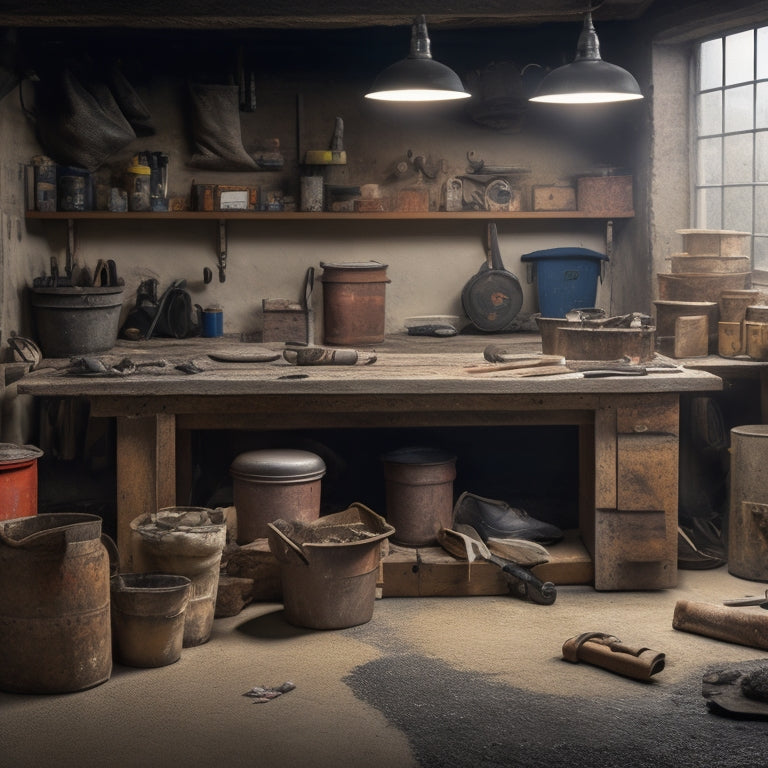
(275, 483)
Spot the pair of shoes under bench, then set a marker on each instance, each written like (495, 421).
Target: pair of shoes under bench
(496, 519)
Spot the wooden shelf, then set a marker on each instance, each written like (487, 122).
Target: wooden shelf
(324, 216)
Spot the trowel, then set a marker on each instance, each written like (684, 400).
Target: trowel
(467, 544)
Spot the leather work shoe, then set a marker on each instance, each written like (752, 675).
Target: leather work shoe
(492, 518)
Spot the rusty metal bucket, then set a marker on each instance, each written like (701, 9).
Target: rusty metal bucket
(54, 605)
(419, 493)
(148, 617)
(185, 541)
(748, 513)
(329, 568)
(354, 302)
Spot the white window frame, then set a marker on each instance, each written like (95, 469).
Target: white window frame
(756, 188)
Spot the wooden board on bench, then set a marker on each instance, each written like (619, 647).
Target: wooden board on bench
(432, 572)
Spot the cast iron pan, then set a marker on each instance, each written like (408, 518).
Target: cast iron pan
(493, 297)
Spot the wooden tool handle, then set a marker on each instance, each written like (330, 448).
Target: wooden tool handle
(734, 625)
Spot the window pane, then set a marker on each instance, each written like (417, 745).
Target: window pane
(762, 53)
(708, 208)
(761, 156)
(739, 58)
(760, 260)
(737, 159)
(711, 64)
(710, 161)
(761, 210)
(737, 208)
(761, 106)
(739, 106)
(710, 113)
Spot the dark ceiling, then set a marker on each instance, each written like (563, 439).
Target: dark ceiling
(197, 14)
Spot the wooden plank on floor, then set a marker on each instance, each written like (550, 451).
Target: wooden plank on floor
(432, 572)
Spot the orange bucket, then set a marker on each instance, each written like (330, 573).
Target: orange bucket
(18, 480)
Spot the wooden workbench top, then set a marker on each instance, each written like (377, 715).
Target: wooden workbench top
(405, 365)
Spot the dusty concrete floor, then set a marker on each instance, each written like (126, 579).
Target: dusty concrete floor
(428, 682)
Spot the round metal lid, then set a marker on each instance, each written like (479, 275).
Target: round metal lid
(278, 465)
(418, 455)
(11, 452)
(354, 265)
(751, 430)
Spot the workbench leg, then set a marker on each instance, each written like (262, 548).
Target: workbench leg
(635, 545)
(146, 473)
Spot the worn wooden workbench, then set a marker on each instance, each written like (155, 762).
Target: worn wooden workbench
(628, 426)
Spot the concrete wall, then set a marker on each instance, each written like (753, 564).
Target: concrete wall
(23, 254)
(429, 262)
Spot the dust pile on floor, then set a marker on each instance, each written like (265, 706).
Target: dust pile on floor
(459, 719)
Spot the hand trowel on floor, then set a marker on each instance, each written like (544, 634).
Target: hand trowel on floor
(465, 542)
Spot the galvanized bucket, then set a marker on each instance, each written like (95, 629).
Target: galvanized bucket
(54, 606)
(77, 321)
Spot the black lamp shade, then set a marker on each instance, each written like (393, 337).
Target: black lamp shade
(418, 77)
(588, 79)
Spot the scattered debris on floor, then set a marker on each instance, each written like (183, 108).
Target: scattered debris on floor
(736, 693)
(262, 695)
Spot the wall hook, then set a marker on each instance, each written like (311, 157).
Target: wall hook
(222, 250)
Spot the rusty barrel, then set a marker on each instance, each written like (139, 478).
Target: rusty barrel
(54, 604)
(18, 480)
(748, 513)
(419, 493)
(354, 297)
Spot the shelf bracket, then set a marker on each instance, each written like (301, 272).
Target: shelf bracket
(71, 246)
(609, 238)
(221, 252)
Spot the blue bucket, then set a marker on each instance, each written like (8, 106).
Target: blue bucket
(566, 278)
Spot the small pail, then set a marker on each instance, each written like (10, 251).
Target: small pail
(148, 617)
(185, 541)
(419, 494)
(748, 512)
(77, 321)
(54, 604)
(566, 278)
(276, 483)
(354, 302)
(18, 480)
(329, 568)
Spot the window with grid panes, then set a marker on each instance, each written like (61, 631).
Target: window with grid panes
(731, 137)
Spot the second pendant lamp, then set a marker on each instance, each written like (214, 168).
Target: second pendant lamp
(588, 79)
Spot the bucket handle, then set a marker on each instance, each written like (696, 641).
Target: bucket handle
(289, 546)
(113, 552)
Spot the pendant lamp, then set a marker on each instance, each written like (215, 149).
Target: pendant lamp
(418, 77)
(588, 79)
